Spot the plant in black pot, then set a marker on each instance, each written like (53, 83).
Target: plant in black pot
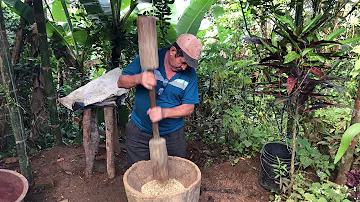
(298, 67)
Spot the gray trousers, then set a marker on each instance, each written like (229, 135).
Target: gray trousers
(137, 143)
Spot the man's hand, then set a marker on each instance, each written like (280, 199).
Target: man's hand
(148, 80)
(156, 114)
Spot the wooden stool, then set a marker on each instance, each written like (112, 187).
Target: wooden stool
(91, 138)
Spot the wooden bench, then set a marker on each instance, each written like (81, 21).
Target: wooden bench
(91, 138)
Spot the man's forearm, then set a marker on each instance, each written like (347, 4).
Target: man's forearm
(128, 81)
(178, 111)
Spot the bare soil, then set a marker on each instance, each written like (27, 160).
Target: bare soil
(59, 177)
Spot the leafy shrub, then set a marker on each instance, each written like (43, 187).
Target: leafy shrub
(305, 190)
(246, 132)
(311, 157)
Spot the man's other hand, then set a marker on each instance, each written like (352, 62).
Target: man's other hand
(148, 80)
(156, 114)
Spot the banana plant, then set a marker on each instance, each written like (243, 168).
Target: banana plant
(121, 22)
(66, 31)
(190, 20)
(120, 15)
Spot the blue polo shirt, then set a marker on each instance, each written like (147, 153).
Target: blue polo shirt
(182, 88)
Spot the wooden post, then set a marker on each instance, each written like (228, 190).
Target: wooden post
(117, 149)
(91, 138)
(110, 124)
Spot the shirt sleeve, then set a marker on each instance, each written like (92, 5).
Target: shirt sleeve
(133, 68)
(191, 95)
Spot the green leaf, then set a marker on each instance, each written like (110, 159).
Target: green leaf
(222, 32)
(271, 49)
(311, 24)
(291, 56)
(58, 34)
(235, 162)
(81, 36)
(357, 49)
(54, 30)
(305, 51)
(245, 80)
(93, 6)
(247, 143)
(356, 71)
(351, 40)
(58, 11)
(302, 152)
(285, 20)
(193, 15)
(22, 9)
(171, 35)
(322, 199)
(349, 134)
(306, 161)
(335, 34)
(285, 32)
(310, 197)
(273, 39)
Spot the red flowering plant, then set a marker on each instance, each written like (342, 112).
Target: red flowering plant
(297, 64)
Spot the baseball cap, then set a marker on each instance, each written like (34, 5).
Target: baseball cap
(191, 47)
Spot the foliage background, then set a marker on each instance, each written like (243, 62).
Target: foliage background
(235, 116)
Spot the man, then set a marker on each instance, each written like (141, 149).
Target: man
(175, 84)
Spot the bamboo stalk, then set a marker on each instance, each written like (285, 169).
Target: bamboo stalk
(16, 117)
(46, 71)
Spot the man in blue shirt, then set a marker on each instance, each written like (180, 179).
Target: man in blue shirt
(175, 84)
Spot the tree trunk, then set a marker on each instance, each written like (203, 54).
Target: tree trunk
(46, 71)
(19, 39)
(348, 158)
(16, 119)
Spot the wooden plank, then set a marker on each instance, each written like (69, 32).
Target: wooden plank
(91, 138)
(110, 124)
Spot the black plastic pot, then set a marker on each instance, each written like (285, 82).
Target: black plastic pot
(268, 159)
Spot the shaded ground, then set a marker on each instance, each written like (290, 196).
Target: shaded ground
(58, 175)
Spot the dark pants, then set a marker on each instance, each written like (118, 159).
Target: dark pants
(137, 143)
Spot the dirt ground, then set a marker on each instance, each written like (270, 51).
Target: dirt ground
(59, 177)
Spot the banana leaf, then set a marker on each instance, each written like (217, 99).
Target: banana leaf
(193, 15)
(222, 31)
(58, 11)
(22, 9)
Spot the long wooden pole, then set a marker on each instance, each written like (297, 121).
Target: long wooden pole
(149, 60)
